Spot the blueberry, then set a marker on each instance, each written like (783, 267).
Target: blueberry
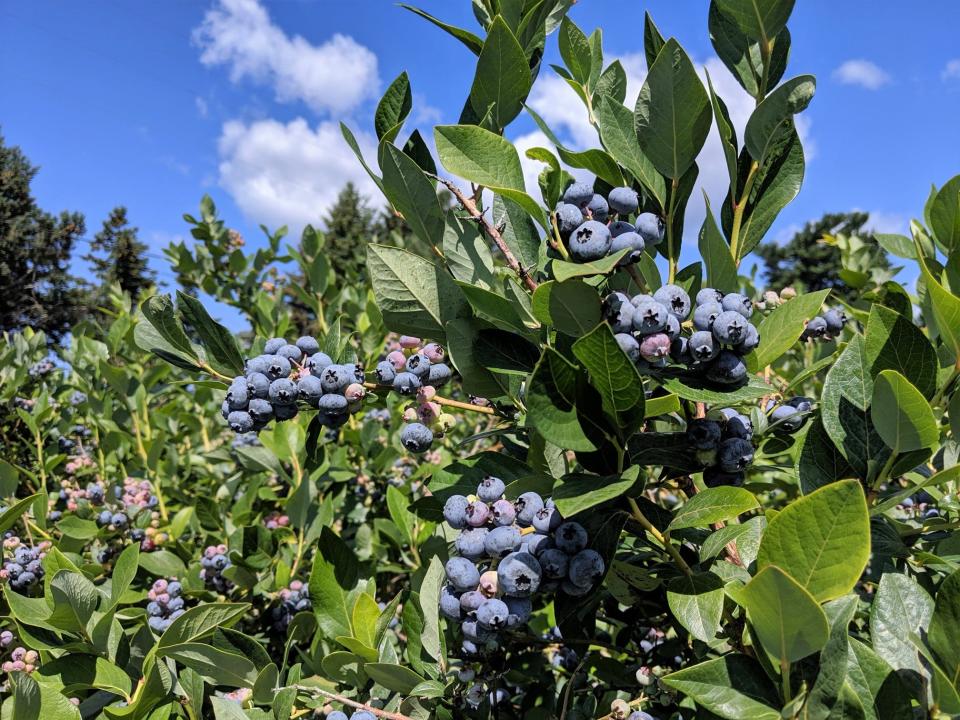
(455, 511)
(680, 350)
(628, 241)
(619, 227)
(578, 194)
(490, 489)
(736, 425)
(284, 412)
(493, 613)
(520, 610)
(714, 477)
(729, 327)
(119, 520)
(503, 512)
(406, 383)
(569, 218)
(291, 353)
(673, 327)
(547, 519)
(786, 418)
(462, 574)
(702, 346)
(308, 345)
(586, 568)
(618, 311)
(418, 364)
(272, 345)
(703, 434)
(654, 348)
(735, 455)
(473, 630)
(283, 392)
(104, 517)
(651, 228)
(649, 317)
(450, 603)
(240, 421)
(318, 362)
(309, 389)
(816, 328)
(336, 378)
(629, 345)
(501, 540)
(439, 374)
(416, 437)
(332, 404)
(623, 200)
(278, 367)
(385, 373)
(590, 241)
(750, 340)
(554, 563)
(803, 404)
(727, 369)
(598, 208)
(709, 295)
(536, 543)
(738, 303)
(470, 601)
(705, 315)
(674, 299)
(835, 320)
(519, 574)
(260, 410)
(527, 506)
(478, 512)
(337, 715)
(470, 542)
(258, 385)
(237, 394)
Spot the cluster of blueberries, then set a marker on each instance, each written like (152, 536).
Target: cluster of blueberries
(523, 547)
(285, 374)
(293, 599)
(24, 570)
(274, 520)
(77, 398)
(166, 604)
(213, 562)
(416, 369)
(826, 326)
(41, 368)
(21, 659)
(649, 330)
(723, 444)
(583, 221)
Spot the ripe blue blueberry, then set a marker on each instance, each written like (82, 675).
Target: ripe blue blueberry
(469, 542)
(680, 350)
(735, 455)
(119, 520)
(629, 345)
(674, 299)
(503, 512)
(705, 315)
(738, 303)
(554, 563)
(703, 434)
(649, 317)
(618, 311)
(816, 328)
(803, 404)
(309, 389)
(416, 437)
(520, 610)
(439, 374)
(285, 412)
(519, 574)
(104, 517)
(318, 362)
(623, 200)
(619, 227)
(590, 241)
(729, 327)
(291, 353)
(569, 218)
(571, 537)
(419, 365)
(527, 505)
(406, 383)
(279, 367)
(470, 601)
(786, 418)
(450, 602)
(462, 574)
(259, 364)
(536, 543)
(628, 241)
(455, 511)
(651, 228)
(336, 378)
(237, 395)
(240, 421)
(260, 410)
(490, 489)
(586, 568)
(473, 630)
(308, 345)
(283, 392)
(750, 341)
(272, 345)
(547, 519)
(385, 372)
(708, 295)
(736, 424)
(835, 320)
(337, 715)
(501, 540)
(578, 194)
(598, 209)
(258, 385)
(673, 327)
(703, 347)
(727, 369)
(332, 404)
(493, 613)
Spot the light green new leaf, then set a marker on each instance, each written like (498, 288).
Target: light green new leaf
(786, 618)
(713, 505)
(901, 414)
(822, 540)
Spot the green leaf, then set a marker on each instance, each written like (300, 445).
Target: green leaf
(820, 462)
(335, 573)
(575, 51)
(713, 505)
(429, 605)
(518, 232)
(781, 329)
(619, 137)
(696, 389)
(901, 415)
(563, 270)
(412, 194)
(572, 307)
(162, 563)
(393, 108)
(473, 43)
(199, 621)
(397, 504)
(943, 635)
(901, 608)
(505, 352)
(76, 527)
(721, 268)
(10, 516)
(355, 146)
(414, 295)
(773, 118)
(219, 667)
(612, 85)
(672, 116)
(393, 677)
(759, 19)
(733, 687)
(822, 540)
(893, 342)
(466, 253)
(221, 346)
(224, 709)
(944, 305)
(502, 80)
(551, 402)
(725, 130)
(159, 312)
(576, 492)
(485, 158)
(75, 671)
(653, 41)
(784, 615)
(462, 337)
(697, 603)
(495, 309)
(899, 245)
(364, 619)
(945, 214)
(614, 377)
(73, 595)
(124, 571)
(597, 162)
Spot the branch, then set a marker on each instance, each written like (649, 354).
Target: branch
(470, 206)
(660, 537)
(485, 409)
(352, 703)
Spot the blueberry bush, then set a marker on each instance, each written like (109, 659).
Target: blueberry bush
(527, 465)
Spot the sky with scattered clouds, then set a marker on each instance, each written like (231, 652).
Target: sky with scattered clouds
(153, 104)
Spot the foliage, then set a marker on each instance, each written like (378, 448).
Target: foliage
(118, 256)
(816, 579)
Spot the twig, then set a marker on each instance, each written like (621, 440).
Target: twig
(569, 687)
(471, 207)
(485, 409)
(352, 703)
(661, 538)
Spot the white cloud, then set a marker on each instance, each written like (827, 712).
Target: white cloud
(951, 70)
(202, 109)
(290, 173)
(334, 77)
(888, 222)
(861, 72)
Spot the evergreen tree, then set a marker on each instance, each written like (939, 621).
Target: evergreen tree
(36, 287)
(349, 227)
(806, 262)
(117, 256)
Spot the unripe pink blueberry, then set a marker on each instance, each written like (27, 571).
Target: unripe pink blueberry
(426, 393)
(489, 583)
(409, 342)
(355, 392)
(398, 360)
(411, 414)
(428, 412)
(655, 347)
(434, 351)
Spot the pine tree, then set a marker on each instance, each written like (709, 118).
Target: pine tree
(349, 227)
(806, 262)
(36, 287)
(118, 257)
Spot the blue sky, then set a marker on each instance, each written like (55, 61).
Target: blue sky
(152, 104)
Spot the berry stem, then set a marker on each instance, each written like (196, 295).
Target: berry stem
(486, 410)
(352, 703)
(637, 278)
(663, 539)
(556, 242)
(471, 207)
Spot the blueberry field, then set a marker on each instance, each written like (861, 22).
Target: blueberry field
(511, 453)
